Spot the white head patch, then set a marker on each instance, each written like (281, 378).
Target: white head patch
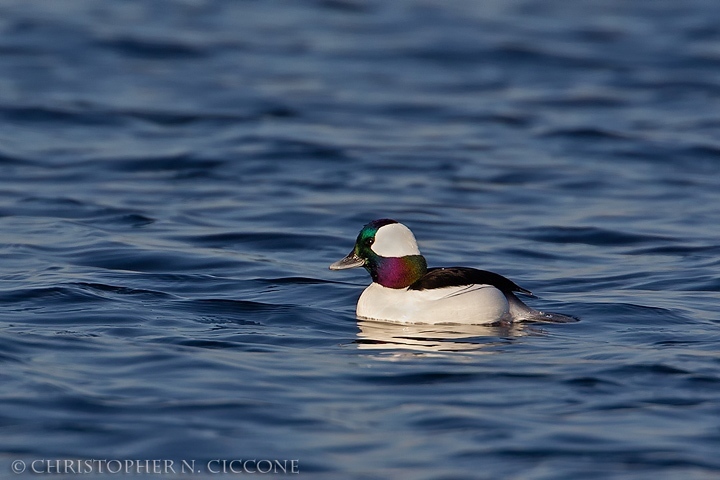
(395, 240)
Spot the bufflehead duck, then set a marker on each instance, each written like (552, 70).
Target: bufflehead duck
(405, 290)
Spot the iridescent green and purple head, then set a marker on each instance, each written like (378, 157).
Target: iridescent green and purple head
(388, 251)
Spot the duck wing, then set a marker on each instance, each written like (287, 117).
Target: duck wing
(458, 276)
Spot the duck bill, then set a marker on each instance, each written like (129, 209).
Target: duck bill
(351, 261)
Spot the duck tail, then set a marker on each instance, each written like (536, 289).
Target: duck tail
(522, 313)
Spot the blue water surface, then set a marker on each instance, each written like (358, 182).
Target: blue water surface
(176, 176)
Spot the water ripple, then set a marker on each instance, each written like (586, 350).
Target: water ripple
(175, 181)
(593, 236)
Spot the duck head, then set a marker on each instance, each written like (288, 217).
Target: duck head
(388, 251)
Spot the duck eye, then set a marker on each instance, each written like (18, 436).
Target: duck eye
(369, 241)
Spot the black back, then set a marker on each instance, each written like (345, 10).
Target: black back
(458, 276)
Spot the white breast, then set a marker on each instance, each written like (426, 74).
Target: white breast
(472, 304)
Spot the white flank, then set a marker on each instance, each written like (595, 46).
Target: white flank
(466, 304)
